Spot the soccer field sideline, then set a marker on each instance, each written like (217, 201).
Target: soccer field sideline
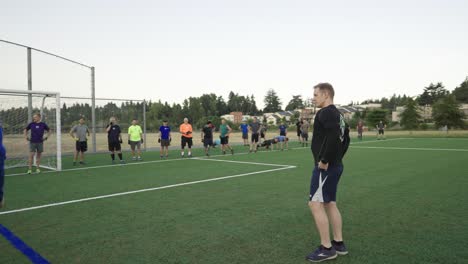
(282, 167)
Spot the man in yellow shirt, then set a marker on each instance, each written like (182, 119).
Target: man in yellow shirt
(135, 138)
(186, 139)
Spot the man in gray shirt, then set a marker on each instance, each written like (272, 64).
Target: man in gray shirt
(79, 133)
(254, 128)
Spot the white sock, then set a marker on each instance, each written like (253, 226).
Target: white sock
(190, 153)
(182, 153)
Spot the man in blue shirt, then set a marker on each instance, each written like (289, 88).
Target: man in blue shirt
(244, 127)
(283, 129)
(164, 139)
(36, 140)
(2, 167)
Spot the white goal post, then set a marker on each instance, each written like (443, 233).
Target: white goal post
(16, 109)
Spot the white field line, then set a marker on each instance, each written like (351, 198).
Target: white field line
(245, 162)
(403, 148)
(362, 142)
(126, 164)
(142, 190)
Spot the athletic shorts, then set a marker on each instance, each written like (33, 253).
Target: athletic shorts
(324, 183)
(224, 140)
(245, 136)
(254, 138)
(114, 146)
(134, 144)
(305, 136)
(381, 131)
(165, 142)
(262, 135)
(207, 142)
(81, 146)
(186, 141)
(36, 147)
(299, 133)
(283, 133)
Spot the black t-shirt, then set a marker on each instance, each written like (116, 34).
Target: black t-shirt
(113, 133)
(328, 135)
(298, 126)
(207, 132)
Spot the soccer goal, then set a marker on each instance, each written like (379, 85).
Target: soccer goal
(16, 110)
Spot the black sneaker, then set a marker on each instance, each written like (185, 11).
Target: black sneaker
(74, 163)
(339, 247)
(232, 151)
(82, 163)
(322, 254)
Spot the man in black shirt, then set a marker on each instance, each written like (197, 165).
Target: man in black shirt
(327, 149)
(114, 139)
(298, 129)
(207, 137)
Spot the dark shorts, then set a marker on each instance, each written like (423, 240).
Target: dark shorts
(323, 184)
(254, 138)
(207, 142)
(224, 140)
(36, 147)
(283, 133)
(245, 136)
(114, 146)
(262, 135)
(359, 131)
(305, 136)
(381, 131)
(165, 142)
(299, 133)
(186, 141)
(134, 144)
(81, 146)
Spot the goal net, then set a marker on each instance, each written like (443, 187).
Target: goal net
(17, 108)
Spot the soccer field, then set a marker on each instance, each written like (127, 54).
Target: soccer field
(403, 200)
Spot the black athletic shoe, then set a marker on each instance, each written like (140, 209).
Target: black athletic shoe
(322, 254)
(232, 151)
(340, 247)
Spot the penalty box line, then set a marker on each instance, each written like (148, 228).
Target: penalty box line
(284, 167)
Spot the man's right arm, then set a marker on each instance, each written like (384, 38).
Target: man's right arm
(25, 132)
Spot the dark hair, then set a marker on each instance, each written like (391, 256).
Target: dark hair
(209, 122)
(164, 121)
(326, 87)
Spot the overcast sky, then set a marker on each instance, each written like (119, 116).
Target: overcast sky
(170, 50)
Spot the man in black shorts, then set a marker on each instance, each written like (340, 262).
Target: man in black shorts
(254, 128)
(328, 151)
(298, 130)
(79, 133)
(381, 127)
(207, 137)
(114, 139)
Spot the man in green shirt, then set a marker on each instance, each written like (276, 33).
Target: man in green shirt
(135, 138)
(225, 131)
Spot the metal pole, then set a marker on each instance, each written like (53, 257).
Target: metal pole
(29, 85)
(144, 124)
(93, 108)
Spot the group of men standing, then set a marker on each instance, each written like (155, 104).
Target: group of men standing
(328, 148)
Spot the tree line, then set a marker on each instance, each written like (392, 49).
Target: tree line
(445, 108)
